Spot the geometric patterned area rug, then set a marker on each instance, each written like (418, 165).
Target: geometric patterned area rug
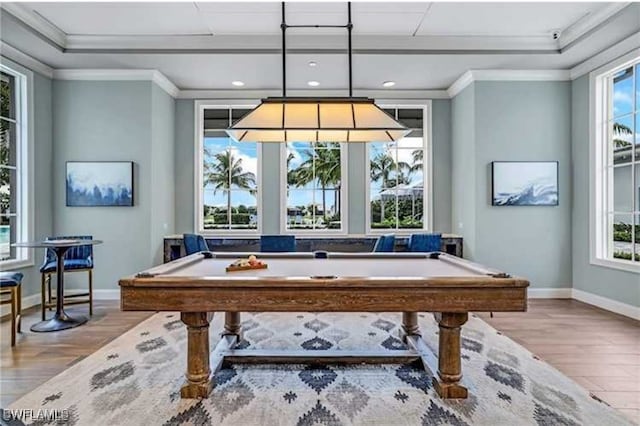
(136, 379)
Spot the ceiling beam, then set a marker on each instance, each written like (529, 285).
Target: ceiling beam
(306, 44)
(589, 23)
(35, 23)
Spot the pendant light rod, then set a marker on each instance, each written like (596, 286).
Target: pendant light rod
(349, 28)
(284, 26)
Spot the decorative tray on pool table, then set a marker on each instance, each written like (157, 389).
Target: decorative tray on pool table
(246, 265)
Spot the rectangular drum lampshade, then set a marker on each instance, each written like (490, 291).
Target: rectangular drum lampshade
(317, 120)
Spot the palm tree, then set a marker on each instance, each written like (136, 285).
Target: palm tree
(381, 168)
(321, 164)
(225, 172)
(291, 174)
(418, 158)
(621, 129)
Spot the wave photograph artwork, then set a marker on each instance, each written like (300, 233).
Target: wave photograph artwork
(525, 183)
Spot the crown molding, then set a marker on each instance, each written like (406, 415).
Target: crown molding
(260, 94)
(624, 47)
(119, 75)
(458, 86)
(35, 22)
(505, 75)
(165, 84)
(25, 60)
(588, 23)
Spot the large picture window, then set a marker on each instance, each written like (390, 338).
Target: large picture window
(315, 187)
(229, 175)
(397, 171)
(14, 194)
(618, 164)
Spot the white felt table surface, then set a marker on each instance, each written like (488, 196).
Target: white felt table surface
(341, 268)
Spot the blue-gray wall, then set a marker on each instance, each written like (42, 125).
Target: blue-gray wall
(442, 164)
(463, 188)
(606, 282)
(184, 157)
(514, 121)
(111, 121)
(162, 147)
(357, 182)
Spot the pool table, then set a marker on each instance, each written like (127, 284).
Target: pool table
(198, 286)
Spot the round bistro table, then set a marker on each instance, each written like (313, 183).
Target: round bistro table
(60, 321)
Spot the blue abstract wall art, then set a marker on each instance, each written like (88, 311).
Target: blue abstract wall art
(99, 183)
(525, 183)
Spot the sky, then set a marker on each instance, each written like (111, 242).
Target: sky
(403, 153)
(623, 105)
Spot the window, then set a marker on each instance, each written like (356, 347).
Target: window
(229, 174)
(617, 165)
(14, 167)
(315, 187)
(397, 171)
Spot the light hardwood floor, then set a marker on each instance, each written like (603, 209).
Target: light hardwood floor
(597, 349)
(37, 357)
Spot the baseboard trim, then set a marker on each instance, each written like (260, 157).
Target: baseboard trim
(549, 293)
(34, 299)
(106, 294)
(27, 302)
(606, 304)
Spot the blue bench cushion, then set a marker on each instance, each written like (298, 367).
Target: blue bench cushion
(424, 243)
(69, 265)
(385, 244)
(277, 243)
(10, 279)
(194, 243)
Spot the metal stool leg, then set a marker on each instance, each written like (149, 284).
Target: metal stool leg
(13, 316)
(49, 293)
(19, 307)
(43, 295)
(90, 292)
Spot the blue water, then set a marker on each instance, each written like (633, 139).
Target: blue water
(4, 234)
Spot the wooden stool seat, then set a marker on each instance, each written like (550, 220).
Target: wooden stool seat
(11, 285)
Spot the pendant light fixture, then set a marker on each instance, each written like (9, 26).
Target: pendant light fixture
(317, 119)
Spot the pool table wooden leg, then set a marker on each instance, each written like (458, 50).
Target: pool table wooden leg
(410, 324)
(447, 382)
(232, 325)
(198, 383)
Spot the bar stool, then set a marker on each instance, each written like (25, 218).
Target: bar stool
(77, 259)
(10, 285)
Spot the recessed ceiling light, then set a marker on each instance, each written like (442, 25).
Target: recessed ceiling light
(313, 83)
(238, 83)
(312, 63)
(389, 83)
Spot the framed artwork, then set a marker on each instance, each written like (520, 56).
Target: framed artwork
(99, 183)
(524, 183)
